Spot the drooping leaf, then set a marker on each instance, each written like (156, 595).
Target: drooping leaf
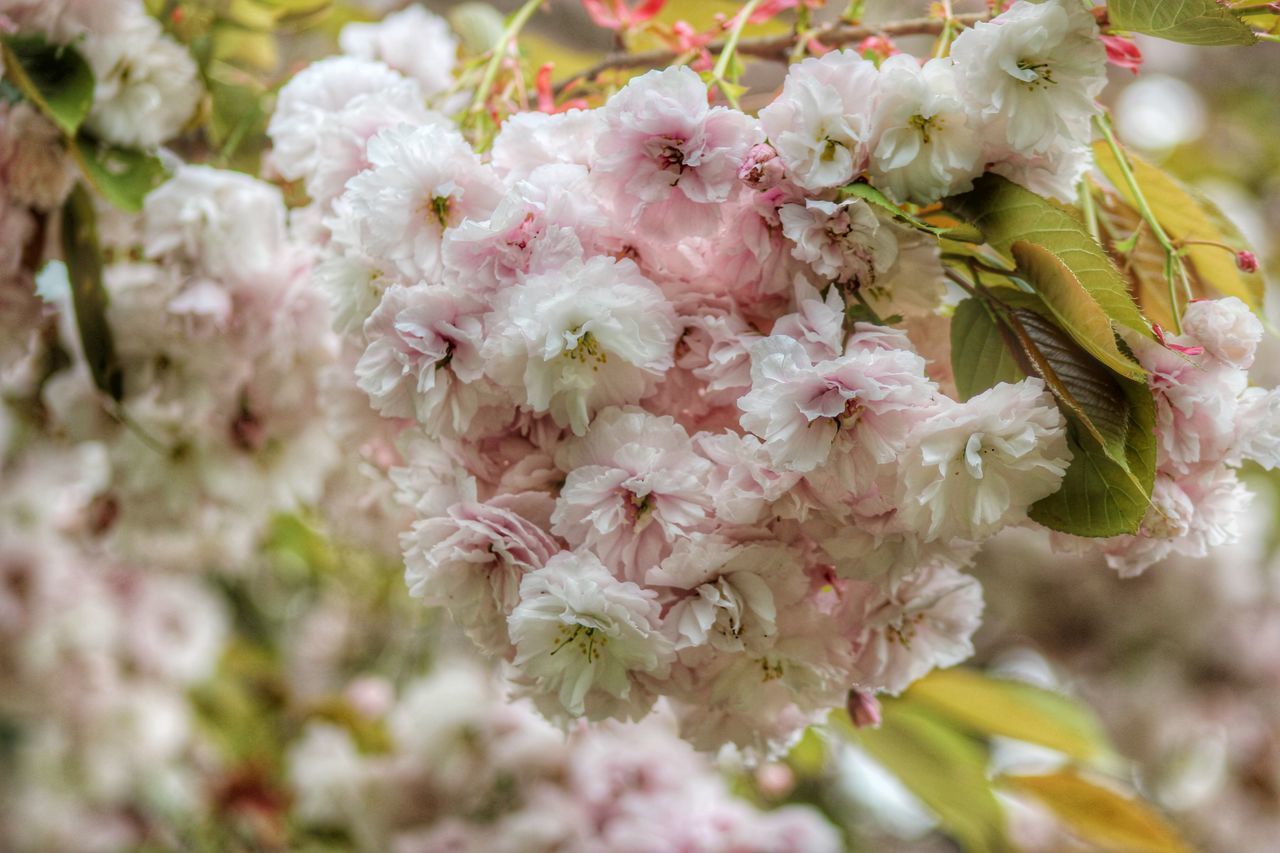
(56, 78)
(1186, 215)
(1099, 496)
(123, 176)
(1086, 389)
(1072, 306)
(1006, 213)
(1110, 424)
(1201, 22)
(961, 232)
(1100, 816)
(88, 295)
(996, 706)
(980, 355)
(944, 768)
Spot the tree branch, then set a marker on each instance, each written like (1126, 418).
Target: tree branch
(774, 48)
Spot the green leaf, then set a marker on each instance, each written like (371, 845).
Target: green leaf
(1099, 496)
(1086, 390)
(961, 232)
(1006, 213)
(1186, 215)
(1202, 22)
(945, 769)
(55, 78)
(980, 355)
(1100, 816)
(237, 121)
(1072, 306)
(991, 706)
(88, 295)
(123, 176)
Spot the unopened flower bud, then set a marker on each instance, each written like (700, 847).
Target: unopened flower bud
(1247, 261)
(775, 780)
(864, 709)
(762, 169)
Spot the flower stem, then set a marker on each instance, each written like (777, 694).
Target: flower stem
(514, 26)
(1172, 259)
(730, 48)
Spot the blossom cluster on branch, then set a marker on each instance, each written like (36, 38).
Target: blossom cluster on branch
(662, 414)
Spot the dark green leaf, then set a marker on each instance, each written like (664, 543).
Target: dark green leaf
(1006, 213)
(55, 78)
(89, 296)
(980, 354)
(123, 175)
(1086, 389)
(1100, 497)
(962, 232)
(1202, 22)
(946, 769)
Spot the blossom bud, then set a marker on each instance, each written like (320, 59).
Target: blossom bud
(1247, 261)
(371, 696)
(864, 709)
(762, 169)
(775, 780)
(1123, 53)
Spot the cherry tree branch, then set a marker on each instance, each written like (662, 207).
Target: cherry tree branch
(776, 48)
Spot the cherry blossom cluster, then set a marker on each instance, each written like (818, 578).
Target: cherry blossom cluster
(466, 770)
(223, 346)
(1209, 422)
(96, 657)
(658, 441)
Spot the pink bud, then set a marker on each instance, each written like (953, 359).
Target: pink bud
(1247, 261)
(371, 696)
(880, 46)
(762, 169)
(864, 709)
(1122, 53)
(775, 780)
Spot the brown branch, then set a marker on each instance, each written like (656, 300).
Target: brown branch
(774, 48)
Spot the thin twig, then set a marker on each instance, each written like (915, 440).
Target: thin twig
(775, 48)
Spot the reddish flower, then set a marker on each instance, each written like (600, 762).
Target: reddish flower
(881, 46)
(621, 16)
(546, 96)
(1161, 336)
(1247, 261)
(1123, 53)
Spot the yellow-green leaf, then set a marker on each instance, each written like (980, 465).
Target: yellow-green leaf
(1072, 306)
(1007, 213)
(1186, 215)
(1201, 22)
(1099, 815)
(996, 706)
(944, 768)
